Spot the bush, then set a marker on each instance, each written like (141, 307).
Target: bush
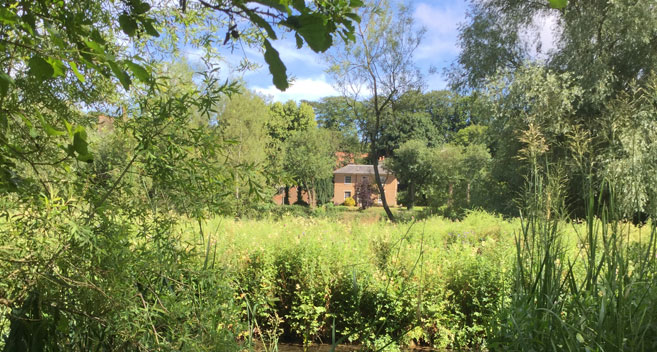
(349, 202)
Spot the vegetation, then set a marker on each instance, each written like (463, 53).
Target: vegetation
(136, 206)
(380, 59)
(435, 282)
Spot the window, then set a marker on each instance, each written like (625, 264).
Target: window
(347, 179)
(347, 194)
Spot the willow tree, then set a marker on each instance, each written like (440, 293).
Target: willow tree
(85, 254)
(377, 66)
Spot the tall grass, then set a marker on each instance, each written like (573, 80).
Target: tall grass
(596, 294)
(377, 284)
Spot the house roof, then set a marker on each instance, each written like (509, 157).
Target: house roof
(361, 170)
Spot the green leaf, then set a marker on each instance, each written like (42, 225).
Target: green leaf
(98, 48)
(299, 40)
(85, 157)
(120, 74)
(299, 5)
(77, 73)
(69, 128)
(80, 145)
(50, 130)
(7, 17)
(139, 71)
(70, 151)
(40, 68)
(356, 3)
(29, 23)
(141, 7)
(58, 67)
(253, 17)
(558, 4)
(150, 29)
(579, 338)
(128, 24)
(5, 81)
(313, 29)
(276, 66)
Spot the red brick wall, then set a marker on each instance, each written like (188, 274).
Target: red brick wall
(279, 198)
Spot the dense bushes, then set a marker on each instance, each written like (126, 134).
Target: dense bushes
(308, 280)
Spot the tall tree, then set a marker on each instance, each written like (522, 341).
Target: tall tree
(243, 119)
(605, 45)
(378, 66)
(310, 158)
(411, 167)
(285, 120)
(84, 277)
(335, 113)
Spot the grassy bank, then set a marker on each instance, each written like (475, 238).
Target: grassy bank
(354, 278)
(434, 282)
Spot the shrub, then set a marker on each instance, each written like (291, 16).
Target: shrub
(350, 202)
(364, 192)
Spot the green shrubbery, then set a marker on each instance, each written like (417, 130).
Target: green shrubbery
(308, 280)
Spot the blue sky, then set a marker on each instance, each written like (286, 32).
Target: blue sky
(439, 49)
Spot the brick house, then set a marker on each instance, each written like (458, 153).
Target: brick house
(279, 197)
(346, 178)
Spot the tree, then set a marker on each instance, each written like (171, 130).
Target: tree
(409, 163)
(406, 120)
(242, 119)
(599, 45)
(309, 159)
(85, 277)
(473, 134)
(446, 162)
(476, 168)
(364, 191)
(285, 120)
(379, 66)
(610, 48)
(335, 113)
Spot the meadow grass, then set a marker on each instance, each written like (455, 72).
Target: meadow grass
(355, 278)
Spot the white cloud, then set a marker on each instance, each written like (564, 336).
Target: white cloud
(289, 53)
(301, 89)
(441, 23)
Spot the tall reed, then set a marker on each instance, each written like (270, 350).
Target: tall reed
(595, 292)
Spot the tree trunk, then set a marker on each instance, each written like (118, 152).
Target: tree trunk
(450, 198)
(286, 199)
(411, 195)
(382, 192)
(467, 194)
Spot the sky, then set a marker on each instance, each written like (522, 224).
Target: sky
(438, 50)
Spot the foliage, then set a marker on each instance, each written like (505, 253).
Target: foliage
(472, 134)
(89, 249)
(410, 166)
(380, 60)
(370, 284)
(310, 158)
(324, 191)
(242, 120)
(597, 295)
(284, 121)
(364, 192)
(600, 57)
(350, 202)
